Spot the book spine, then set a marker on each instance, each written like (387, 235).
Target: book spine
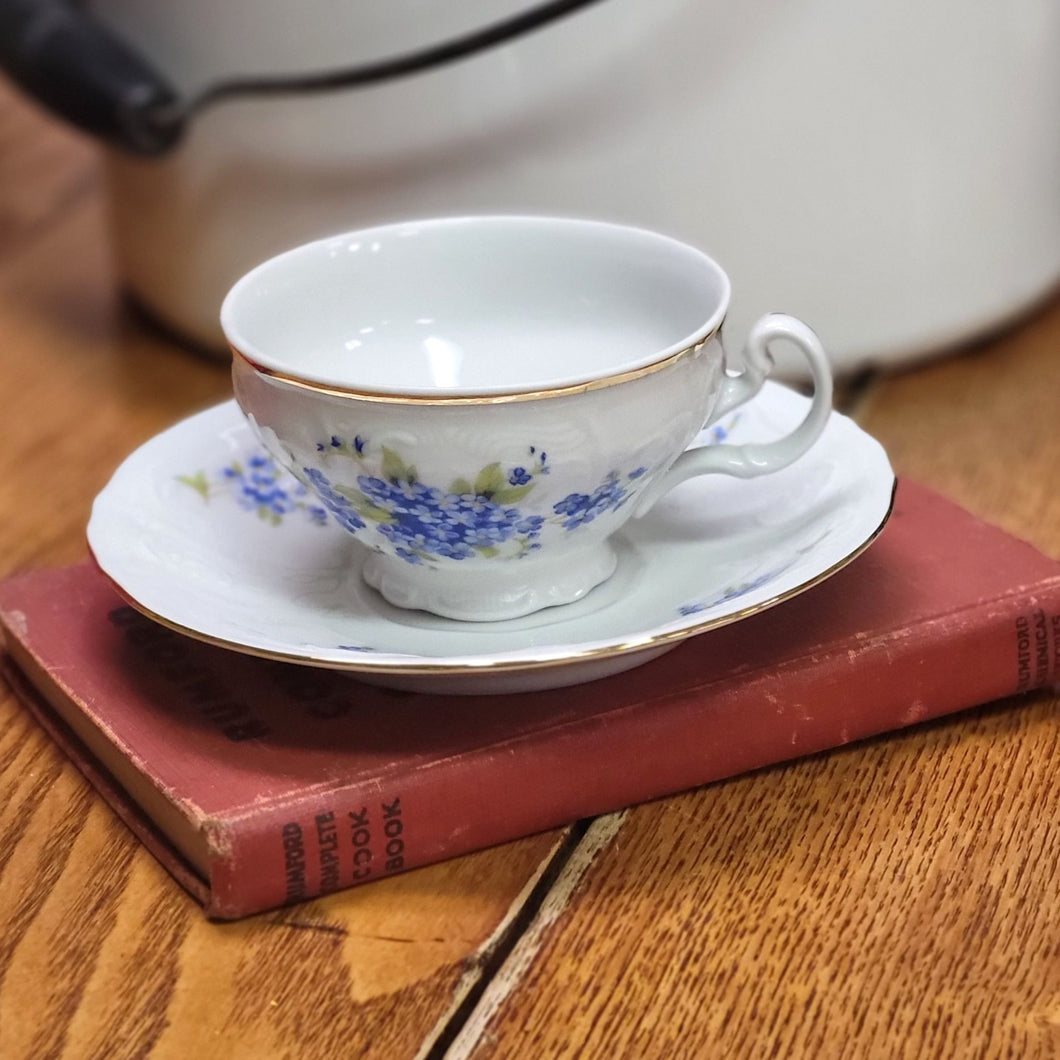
(633, 754)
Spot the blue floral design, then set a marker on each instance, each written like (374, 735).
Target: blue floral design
(581, 508)
(721, 431)
(733, 592)
(336, 444)
(426, 521)
(473, 517)
(259, 486)
(339, 505)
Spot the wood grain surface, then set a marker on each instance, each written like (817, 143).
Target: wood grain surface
(897, 898)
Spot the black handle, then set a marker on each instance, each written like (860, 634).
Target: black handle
(59, 53)
(77, 68)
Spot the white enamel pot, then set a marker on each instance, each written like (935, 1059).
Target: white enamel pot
(890, 171)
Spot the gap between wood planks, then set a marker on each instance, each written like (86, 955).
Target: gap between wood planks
(498, 967)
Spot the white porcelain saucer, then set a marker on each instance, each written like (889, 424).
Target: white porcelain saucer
(200, 531)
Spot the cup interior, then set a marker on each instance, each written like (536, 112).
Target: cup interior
(475, 306)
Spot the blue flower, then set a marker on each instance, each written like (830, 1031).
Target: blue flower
(339, 506)
(425, 521)
(258, 485)
(259, 489)
(730, 593)
(582, 508)
(519, 476)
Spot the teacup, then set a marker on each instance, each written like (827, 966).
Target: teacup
(484, 401)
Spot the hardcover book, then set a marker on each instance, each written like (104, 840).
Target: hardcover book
(260, 783)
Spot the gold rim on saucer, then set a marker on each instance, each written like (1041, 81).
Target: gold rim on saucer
(641, 643)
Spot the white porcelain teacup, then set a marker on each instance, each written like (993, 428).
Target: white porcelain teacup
(484, 401)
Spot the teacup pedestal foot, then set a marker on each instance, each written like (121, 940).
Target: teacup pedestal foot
(490, 590)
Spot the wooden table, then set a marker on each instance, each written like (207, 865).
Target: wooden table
(898, 898)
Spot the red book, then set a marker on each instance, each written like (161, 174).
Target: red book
(258, 783)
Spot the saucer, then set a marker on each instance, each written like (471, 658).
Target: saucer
(200, 530)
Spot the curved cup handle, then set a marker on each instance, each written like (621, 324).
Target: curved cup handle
(749, 461)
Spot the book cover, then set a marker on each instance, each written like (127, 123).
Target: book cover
(259, 783)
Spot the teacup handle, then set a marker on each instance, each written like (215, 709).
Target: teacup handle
(751, 460)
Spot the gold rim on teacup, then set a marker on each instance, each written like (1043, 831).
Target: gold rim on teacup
(509, 397)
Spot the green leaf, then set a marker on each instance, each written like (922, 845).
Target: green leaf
(512, 494)
(198, 483)
(363, 506)
(489, 480)
(487, 551)
(461, 487)
(394, 467)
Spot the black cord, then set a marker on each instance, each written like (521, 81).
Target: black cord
(385, 69)
(73, 63)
